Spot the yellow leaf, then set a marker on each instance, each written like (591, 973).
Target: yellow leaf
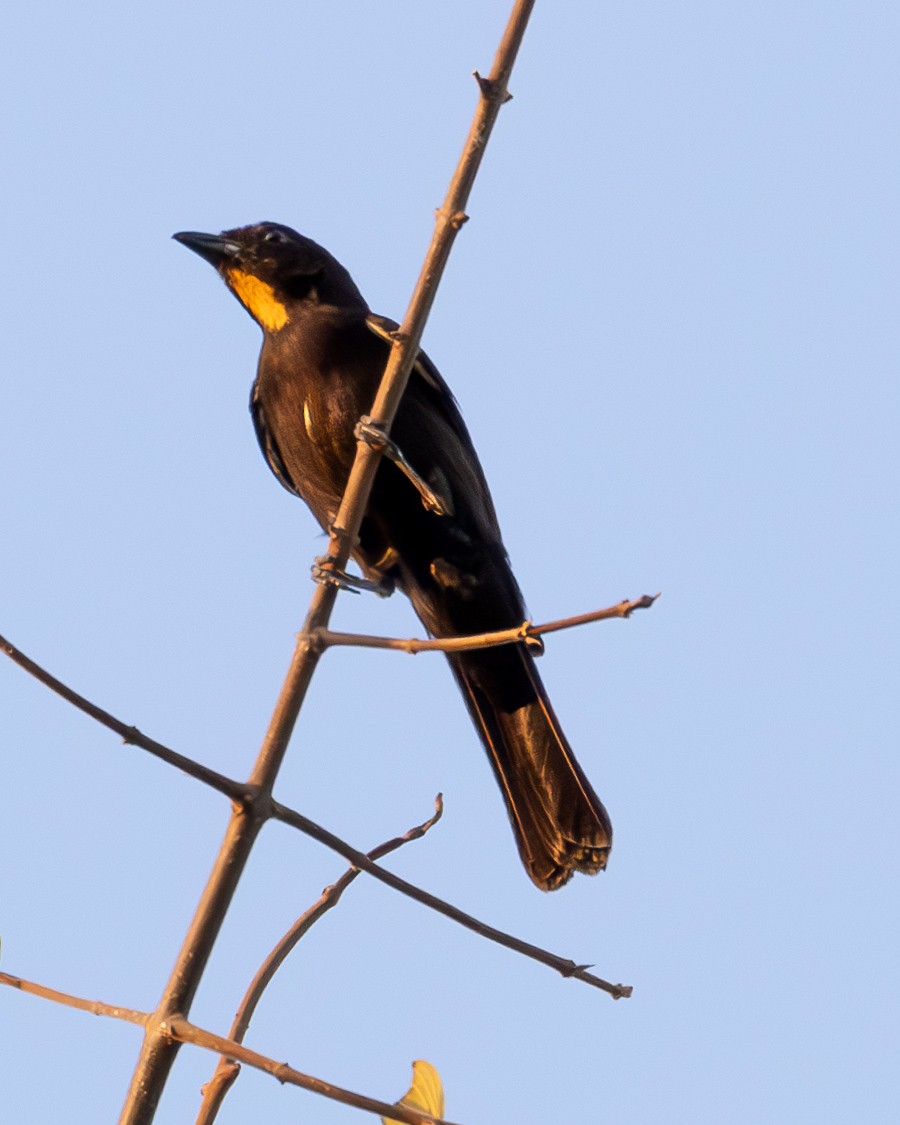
(425, 1094)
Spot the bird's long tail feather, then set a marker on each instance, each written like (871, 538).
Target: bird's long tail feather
(559, 822)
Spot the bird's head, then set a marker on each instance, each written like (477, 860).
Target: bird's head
(275, 272)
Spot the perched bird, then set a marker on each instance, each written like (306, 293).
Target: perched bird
(430, 528)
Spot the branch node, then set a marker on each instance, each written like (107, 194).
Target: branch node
(452, 219)
(492, 90)
(530, 639)
(316, 639)
(644, 602)
(256, 802)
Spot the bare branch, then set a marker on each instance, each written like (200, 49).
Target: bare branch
(130, 735)
(326, 637)
(158, 1052)
(562, 965)
(254, 813)
(185, 1032)
(227, 1071)
(449, 218)
(95, 1007)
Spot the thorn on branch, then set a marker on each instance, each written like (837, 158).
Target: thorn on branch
(453, 219)
(492, 90)
(570, 969)
(644, 602)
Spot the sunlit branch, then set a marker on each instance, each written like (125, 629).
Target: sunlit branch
(182, 1031)
(227, 1071)
(185, 1032)
(562, 965)
(95, 1007)
(131, 735)
(158, 1052)
(523, 632)
(253, 815)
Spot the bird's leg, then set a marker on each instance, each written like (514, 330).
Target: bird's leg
(324, 571)
(373, 434)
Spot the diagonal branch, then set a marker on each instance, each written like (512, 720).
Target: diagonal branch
(95, 1007)
(255, 810)
(182, 1031)
(256, 807)
(227, 1071)
(449, 219)
(563, 965)
(158, 1051)
(130, 735)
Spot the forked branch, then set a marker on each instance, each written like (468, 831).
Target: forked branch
(563, 965)
(182, 1031)
(227, 1071)
(257, 807)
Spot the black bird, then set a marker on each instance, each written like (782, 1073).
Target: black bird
(436, 538)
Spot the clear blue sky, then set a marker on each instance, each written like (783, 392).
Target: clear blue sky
(672, 326)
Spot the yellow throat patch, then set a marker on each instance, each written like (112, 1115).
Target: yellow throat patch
(258, 299)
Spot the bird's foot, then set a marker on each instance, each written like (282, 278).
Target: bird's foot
(372, 433)
(324, 571)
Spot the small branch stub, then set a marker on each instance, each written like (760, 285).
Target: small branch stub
(453, 219)
(491, 90)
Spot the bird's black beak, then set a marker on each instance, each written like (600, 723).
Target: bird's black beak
(213, 247)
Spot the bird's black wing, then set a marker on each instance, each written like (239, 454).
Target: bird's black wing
(267, 443)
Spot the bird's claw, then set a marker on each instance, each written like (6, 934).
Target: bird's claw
(324, 571)
(372, 433)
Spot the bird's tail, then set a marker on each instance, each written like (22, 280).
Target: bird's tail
(559, 822)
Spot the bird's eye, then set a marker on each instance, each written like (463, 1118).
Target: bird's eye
(274, 236)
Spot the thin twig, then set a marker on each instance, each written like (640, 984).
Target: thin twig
(185, 1032)
(518, 633)
(95, 1007)
(563, 965)
(253, 813)
(227, 1071)
(257, 808)
(257, 812)
(158, 1051)
(130, 735)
